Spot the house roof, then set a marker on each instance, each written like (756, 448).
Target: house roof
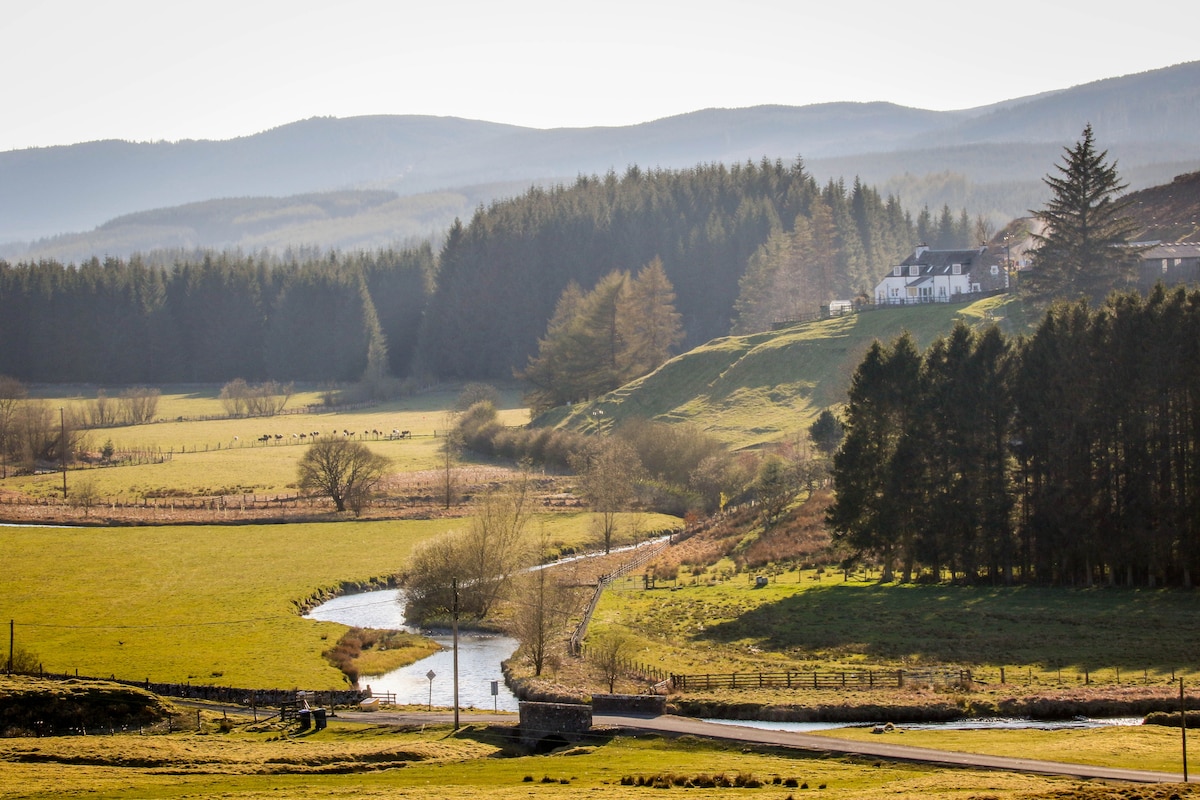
(1172, 250)
(937, 259)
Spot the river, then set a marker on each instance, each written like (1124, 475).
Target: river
(479, 657)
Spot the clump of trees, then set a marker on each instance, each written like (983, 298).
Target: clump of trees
(136, 405)
(622, 329)
(32, 432)
(467, 572)
(1069, 457)
(266, 399)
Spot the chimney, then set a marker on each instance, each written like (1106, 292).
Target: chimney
(920, 251)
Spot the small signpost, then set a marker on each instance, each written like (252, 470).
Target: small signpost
(495, 694)
(431, 675)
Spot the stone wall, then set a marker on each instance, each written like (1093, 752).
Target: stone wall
(653, 705)
(553, 723)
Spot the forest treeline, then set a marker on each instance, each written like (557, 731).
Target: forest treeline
(213, 318)
(1069, 457)
(500, 276)
(478, 308)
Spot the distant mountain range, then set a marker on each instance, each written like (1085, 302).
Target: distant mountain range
(374, 181)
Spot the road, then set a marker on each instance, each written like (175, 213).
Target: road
(672, 725)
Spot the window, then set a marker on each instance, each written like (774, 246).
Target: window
(995, 269)
(898, 272)
(956, 269)
(914, 271)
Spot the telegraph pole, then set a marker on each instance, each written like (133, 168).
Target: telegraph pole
(62, 446)
(454, 614)
(1183, 726)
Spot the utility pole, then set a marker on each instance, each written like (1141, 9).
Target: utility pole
(62, 446)
(454, 614)
(1183, 726)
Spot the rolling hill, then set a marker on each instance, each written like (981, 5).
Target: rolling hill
(988, 159)
(751, 391)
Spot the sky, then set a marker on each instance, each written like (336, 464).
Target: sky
(152, 70)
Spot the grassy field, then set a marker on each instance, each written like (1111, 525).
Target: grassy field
(223, 456)
(357, 761)
(208, 604)
(716, 621)
(752, 390)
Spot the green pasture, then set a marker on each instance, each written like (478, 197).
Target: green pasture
(225, 456)
(209, 604)
(1149, 747)
(761, 388)
(718, 622)
(369, 762)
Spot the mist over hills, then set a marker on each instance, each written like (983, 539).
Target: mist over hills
(373, 181)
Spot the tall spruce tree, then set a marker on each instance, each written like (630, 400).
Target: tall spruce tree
(1084, 250)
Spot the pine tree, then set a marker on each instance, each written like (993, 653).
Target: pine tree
(1084, 250)
(651, 326)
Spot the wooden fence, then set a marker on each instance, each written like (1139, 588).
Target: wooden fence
(816, 680)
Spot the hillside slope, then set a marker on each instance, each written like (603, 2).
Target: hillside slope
(751, 391)
(1147, 121)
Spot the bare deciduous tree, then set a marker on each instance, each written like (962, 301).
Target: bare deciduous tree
(348, 472)
(608, 652)
(608, 473)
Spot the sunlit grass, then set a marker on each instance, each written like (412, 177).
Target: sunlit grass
(356, 761)
(206, 457)
(753, 390)
(211, 604)
(717, 621)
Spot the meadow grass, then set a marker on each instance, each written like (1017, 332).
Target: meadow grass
(360, 761)
(224, 457)
(207, 604)
(716, 621)
(1148, 747)
(756, 389)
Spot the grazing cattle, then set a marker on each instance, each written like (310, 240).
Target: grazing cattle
(278, 437)
(266, 437)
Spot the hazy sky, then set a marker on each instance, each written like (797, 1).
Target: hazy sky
(80, 70)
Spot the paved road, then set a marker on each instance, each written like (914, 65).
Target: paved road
(673, 725)
(677, 726)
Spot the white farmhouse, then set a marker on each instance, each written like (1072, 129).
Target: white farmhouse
(942, 276)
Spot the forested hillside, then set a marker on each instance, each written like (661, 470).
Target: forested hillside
(501, 274)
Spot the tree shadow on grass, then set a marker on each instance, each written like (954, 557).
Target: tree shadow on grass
(1053, 627)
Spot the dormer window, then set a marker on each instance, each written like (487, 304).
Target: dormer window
(898, 272)
(914, 271)
(956, 269)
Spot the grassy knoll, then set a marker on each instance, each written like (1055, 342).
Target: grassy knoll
(751, 390)
(718, 622)
(207, 604)
(357, 761)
